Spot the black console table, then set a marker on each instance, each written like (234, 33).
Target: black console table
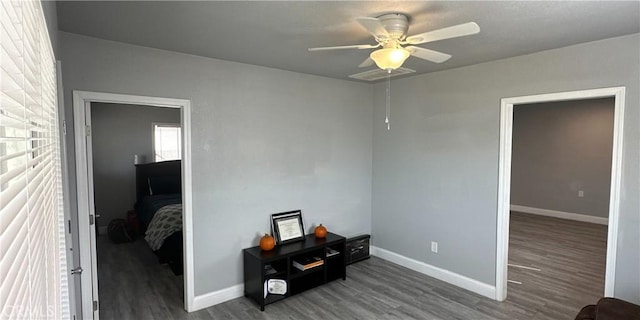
(279, 263)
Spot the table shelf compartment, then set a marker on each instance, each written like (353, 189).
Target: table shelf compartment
(271, 298)
(308, 281)
(300, 273)
(281, 259)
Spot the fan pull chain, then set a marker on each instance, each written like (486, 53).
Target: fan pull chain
(388, 114)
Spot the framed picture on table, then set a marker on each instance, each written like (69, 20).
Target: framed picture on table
(287, 226)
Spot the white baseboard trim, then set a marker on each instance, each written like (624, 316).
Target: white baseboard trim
(461, 281)
(561, 214)
(212, 298)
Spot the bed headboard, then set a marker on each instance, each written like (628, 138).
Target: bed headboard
(169, 171)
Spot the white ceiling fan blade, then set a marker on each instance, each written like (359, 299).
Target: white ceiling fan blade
(430, 55)
(355, 46)
(460, 30)
(374, 26)
(366, 63)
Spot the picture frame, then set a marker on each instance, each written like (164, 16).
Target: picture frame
(287, 227)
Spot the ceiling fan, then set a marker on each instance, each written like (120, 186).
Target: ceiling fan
(390, 33)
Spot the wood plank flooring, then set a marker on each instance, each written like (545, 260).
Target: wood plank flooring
(134, 286)
(571, 256)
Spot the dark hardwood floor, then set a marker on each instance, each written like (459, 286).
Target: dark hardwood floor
(134, 286)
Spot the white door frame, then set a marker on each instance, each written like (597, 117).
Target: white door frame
(84, 180)
(504, 178)
(62, 122)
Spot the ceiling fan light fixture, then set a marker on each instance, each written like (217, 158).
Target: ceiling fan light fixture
(390, 58)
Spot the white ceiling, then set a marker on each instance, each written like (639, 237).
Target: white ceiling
(277, 34)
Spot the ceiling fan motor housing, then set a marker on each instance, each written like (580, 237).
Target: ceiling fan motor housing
(396, 25)
(390, 33)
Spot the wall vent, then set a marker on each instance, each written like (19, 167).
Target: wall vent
(378, 74)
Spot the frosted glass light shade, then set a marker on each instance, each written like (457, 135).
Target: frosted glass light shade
(389, 58)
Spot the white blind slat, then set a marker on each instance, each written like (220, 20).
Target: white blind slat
(14, 288)
(9, 44)
(11, 55)
(11, 22)
(13, 232)
(32, 264)
(16, 264)
(11, 206)
(12, 120)
(11, 103)
(12, 174)
(11, 82)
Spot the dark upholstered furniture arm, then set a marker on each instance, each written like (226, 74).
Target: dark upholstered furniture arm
(616, 309)
(610, 309)
(587, 313)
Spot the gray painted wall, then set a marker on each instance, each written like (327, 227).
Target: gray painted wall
(559, 149)
(118, 132)
(51, 16)
(264, 141)
(435, 174)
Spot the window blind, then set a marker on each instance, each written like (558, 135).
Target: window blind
(32, 248)
(167, 142)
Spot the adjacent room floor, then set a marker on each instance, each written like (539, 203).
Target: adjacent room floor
(570, 256)
(134, 286)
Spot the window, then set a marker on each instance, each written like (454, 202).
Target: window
(32, 248)
(167, 142)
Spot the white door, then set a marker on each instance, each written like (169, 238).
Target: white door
(87, 219)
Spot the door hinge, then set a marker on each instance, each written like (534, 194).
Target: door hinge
(95, 305)
(76, 270)
(64, 127)
(69, 224)
(92, 219)
(88, 130)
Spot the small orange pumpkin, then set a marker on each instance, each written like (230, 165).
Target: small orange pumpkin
(320, 231)
(267, 242)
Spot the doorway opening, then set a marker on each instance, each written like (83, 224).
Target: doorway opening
(560, 182)
(88, 220)
(505, 171)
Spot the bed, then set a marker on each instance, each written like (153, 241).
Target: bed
(158, 209)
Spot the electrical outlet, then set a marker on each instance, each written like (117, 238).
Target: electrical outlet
(434, 247)
(580, 194)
